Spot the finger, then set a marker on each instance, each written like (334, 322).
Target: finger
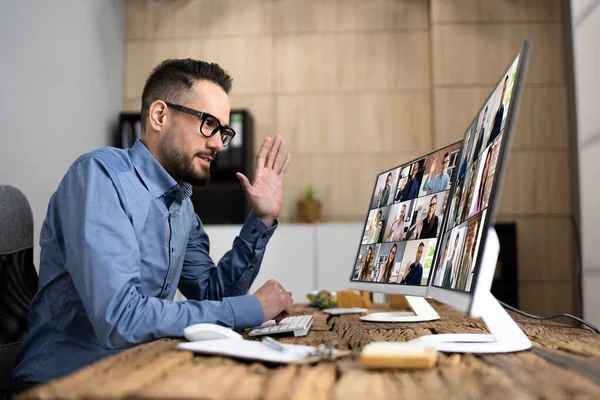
(262, 153)
(244, 181)
(273, 152)
(279, 317)
(286, 164)
(280, 150)
(289, 306)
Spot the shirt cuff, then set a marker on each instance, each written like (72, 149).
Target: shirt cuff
(255, 232)
(247, 311)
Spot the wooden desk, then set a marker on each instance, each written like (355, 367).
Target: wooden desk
(564, 363)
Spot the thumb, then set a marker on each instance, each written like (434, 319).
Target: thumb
(243, 181)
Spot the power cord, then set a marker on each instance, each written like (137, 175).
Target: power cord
(587, 324)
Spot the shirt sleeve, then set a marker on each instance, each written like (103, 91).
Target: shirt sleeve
(201, 279)
(102, 258)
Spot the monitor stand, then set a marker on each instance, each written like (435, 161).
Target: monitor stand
(421, 311)
(505, 335)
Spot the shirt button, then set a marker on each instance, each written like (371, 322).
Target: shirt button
(172, 249)
(253, 230)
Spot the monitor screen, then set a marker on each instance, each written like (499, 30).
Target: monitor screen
(406, 210)
(473, 195)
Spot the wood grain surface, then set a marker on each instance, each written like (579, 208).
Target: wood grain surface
(563, 363)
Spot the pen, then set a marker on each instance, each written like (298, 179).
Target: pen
(273, 344)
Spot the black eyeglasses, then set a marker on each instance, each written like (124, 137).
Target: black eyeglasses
(210, 125)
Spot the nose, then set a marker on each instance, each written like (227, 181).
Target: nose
(215, 143)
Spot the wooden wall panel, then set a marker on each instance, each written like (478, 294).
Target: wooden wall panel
(352, 123)
(363, 61)
(480, 53)
(536, 182)
(154, 19)
(298, 16)
(496, 10)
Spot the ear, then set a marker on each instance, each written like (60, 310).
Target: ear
(158, 116)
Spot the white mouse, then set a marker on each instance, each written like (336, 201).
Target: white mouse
(198, 332)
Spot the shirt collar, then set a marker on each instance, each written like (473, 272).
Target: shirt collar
(155, 177)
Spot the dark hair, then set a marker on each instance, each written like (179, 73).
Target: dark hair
(421, 244)
(446, 155)
(172, 79)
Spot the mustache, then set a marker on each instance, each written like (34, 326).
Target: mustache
(210, 154)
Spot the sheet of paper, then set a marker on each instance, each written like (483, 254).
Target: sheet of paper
(249, 350)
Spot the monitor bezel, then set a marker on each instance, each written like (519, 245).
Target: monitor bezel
(395, 288)
(481, 284)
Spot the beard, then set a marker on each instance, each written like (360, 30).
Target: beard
(180, 165)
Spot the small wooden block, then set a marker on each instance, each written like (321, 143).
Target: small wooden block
(378, 355)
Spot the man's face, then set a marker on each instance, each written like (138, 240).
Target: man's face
(432, 207)
(183, 151)
(419, 254)
(446, 163)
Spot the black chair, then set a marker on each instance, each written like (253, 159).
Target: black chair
(18, 278)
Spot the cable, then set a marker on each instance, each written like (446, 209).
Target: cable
(587, 324)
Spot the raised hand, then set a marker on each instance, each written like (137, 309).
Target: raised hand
(265, 193)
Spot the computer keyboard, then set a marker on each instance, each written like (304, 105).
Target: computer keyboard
(299, 325)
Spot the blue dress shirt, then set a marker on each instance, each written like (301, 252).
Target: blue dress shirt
(120, 236)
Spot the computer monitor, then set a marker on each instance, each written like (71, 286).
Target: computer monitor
(401, 231)
(468, 248)
(459, 270)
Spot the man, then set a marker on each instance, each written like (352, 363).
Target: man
(466, 263)
(386, 269)
(413, 273)
(499, 115)
(397, 230)
(121, 235)
(451, 264)
(411, 189)
(429, 225)
(481, 135)
(383, 198)
(439, 182)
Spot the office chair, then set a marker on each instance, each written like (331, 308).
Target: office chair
(18, 277)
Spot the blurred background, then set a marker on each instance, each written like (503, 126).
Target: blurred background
(355, 87)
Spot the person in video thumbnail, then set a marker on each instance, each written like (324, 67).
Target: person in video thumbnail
(413, 273)
(439, 182)
(451, 264)
(375, 231)
(464, 213)
(462, 278)
(453, 215)
(466, 158)
(397, 229)
(499, 115)
(367, 267)
(429, 225)
(484, 186)
(411, 189)
(386, 269)
(480, 135)
(385, 194)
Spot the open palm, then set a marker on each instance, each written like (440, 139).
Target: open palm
(265, 193)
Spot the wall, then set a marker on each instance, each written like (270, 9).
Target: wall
(61, 70)
(585, 17)
(357, 87)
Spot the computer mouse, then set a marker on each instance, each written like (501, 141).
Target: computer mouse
(198, 332)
